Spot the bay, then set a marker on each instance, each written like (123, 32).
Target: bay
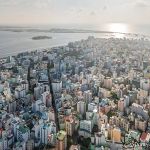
(12, 43)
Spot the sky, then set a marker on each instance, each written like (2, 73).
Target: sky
(43, 12)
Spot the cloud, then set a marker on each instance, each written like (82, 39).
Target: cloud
(80, 11)
(142, 4)
(92, 13)
(105, 8)
(70, 11)
(42, 3)
(9, 2)
(26, 3)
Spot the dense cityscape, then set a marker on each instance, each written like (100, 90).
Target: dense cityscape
(92, 94)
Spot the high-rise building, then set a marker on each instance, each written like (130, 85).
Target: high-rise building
(142, 95)
(47, 98)
(92, 106)
(47, 133)
(25, 85)
(38, 105)
(139, 110)
(81, 107)
(30, 144)
(20, 92)
(100, 139)
(38, 90)
(12, 106)
(62, 140)
(145, 84)
(140, 124)
(1, 144)
(87, 96)
(108, 83)
(57, 86)
(35, 132)
(70, 125)
(116, 134)
(121, 105)
(85, 128)
(51, 114)
(23, 133)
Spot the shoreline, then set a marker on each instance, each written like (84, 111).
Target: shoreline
(111, 36)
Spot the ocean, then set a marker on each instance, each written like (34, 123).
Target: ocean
(12, 43)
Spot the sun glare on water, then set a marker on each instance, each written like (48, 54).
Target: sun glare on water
(119, 29)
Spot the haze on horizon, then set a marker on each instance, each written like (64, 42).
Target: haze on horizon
(94, 12)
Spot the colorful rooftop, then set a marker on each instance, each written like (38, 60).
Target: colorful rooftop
(61, 135)
(23, 129)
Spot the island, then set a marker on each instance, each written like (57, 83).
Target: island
(41, 37)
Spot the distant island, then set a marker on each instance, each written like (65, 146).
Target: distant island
(41, 37)
(56, 30)
(53, 30)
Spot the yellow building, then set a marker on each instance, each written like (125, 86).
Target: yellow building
(116, 135)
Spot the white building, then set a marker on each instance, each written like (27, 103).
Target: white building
(14, 125)
(87, 96)
(47, 99)
(47, 133)
(100, 139)
(81, 107)
(57, 86)
(38, 91)
(23, 133)
(85, 128)
(126, 100)
(92, 106)
(25, 85)
(38, 106)
(20, 92)
(145, 84)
